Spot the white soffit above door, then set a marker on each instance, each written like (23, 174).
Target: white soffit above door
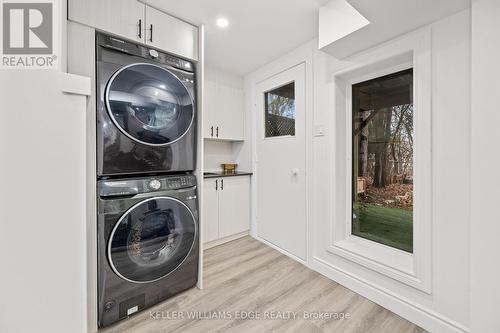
(387, 19)
(259, 31)
(338, 19)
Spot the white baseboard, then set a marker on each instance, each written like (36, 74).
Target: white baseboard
(221, 241)
(421, 316)
(288, 254)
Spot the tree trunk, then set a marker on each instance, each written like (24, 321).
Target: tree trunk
(363, 146)
(377, 177)
(382, 124)
(396, 138)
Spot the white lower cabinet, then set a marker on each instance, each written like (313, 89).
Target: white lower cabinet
(226, 208)
(234, 205)
(210, 210)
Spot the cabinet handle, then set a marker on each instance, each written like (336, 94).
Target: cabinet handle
(212, 131)
(140, 29)
(217, 132)
(222, 184)
(151, 33)
(216, 184)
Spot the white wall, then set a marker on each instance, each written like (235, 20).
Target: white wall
(446, 309)
(485, 220)
(42, 209)
(42, 202)
(222, 77)
(217, 152)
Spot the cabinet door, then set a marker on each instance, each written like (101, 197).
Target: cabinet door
(119, 17)
(210, 216)
(230, 115)
(234, 205)
(209, 110)
(171, 34)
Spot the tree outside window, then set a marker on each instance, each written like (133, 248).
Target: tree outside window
(382, 135)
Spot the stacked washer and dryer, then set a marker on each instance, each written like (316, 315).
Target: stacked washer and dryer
(147, 193)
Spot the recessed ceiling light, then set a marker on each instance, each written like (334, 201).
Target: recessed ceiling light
(222, 22)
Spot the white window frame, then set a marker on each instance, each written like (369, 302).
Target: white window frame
(413, 269)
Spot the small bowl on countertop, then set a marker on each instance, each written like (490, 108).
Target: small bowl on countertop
(229, 167)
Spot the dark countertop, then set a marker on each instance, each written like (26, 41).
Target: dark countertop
(218, 174)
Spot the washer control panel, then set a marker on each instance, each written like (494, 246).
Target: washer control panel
(130, 187)
(179, 182)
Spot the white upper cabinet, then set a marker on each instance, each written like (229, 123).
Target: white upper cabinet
(229, 115)
(137, 21)
(169, 33)
(210, 106)
(224, 108)
(120, 17)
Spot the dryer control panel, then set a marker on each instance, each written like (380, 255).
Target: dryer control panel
(124, 46)
(133, 186)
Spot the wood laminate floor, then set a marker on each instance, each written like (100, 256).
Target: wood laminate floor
(248, 278)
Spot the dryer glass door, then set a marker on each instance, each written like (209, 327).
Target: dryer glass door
(152, 239)
(149, 104)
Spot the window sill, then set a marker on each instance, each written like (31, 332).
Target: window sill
(396, 264)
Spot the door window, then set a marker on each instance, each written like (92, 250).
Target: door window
(151, 239)
(149, 104)
(280, 111)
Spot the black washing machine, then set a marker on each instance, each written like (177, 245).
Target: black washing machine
(146, 110)
(147, 243)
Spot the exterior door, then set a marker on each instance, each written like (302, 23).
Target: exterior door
(281, 161)
(151, 240)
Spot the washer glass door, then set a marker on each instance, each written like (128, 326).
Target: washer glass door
(149, 104)
(151, 239)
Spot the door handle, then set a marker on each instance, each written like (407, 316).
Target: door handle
(140, 28)
(151, 33)
(295, 172)
(212, 131)
(217, 132)
(222, 184)
(216, 184)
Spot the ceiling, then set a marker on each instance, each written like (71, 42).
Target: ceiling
(391, 18)
(262, 30)
(259, 30)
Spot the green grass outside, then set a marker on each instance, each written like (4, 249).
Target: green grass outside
(389, 226)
